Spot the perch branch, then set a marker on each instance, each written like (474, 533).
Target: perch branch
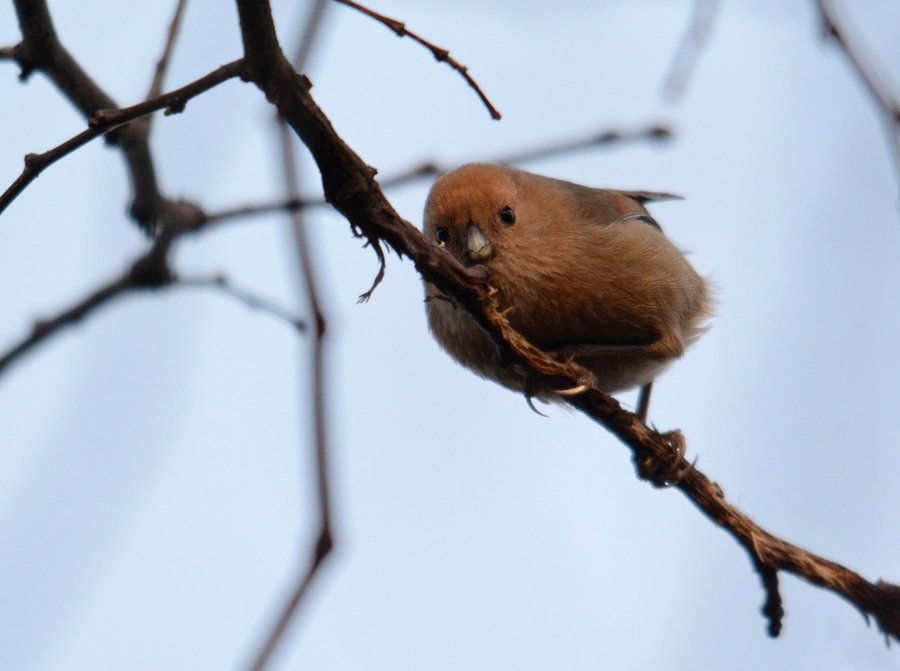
(350, 186)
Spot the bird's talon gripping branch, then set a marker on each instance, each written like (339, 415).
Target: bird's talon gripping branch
(573, 391)
(669, 472)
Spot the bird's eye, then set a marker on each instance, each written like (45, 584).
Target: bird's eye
(507, 216)
(442, 235)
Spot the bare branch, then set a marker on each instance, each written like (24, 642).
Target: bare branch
(173, 102)
(693, 41)
(873, 80)
(150, 271)
(296, 598)
(440, 55)
(40, 49)
(350, 186)
(425, 169)
(649, 133)
(246, 297)
(317, 382)
(106, 121)
(252, 209)
(42, 329)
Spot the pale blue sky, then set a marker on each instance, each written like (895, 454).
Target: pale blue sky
(155, 491)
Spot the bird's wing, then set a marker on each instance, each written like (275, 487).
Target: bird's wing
(609, 206)
(650, 196)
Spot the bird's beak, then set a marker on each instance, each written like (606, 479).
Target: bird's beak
(478, 248)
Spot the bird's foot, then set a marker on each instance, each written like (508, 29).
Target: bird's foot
(668, 472)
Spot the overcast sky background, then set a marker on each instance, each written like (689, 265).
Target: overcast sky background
(155, 487)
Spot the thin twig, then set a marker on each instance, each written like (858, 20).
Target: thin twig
(105, 121)
(440, 55)
(173, 102)
(256, 209)
(874, 81)
(651, 133)
(41, 49)
(246, 297)
(149, 271)
(426, 169)
(317, 382)
(163, 63)
(350, 186)
(42, 329)
(689, 49)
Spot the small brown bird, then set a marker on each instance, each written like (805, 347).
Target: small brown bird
(585, 274)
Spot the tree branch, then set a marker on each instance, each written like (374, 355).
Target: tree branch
(692, 43)
(105, 121)
(324, 542)
(163, 63)
(246, 297)
(40, 49)
(872, 79)
(149, 271)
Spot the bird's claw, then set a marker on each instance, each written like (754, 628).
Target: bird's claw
(529, 399)
(665, 473)
(574, 391)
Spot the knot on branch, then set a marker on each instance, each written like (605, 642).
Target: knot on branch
(25, 57)
(177, 106)
(664, 471)
(181, 216)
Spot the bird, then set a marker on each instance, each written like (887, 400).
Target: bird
(585, 274)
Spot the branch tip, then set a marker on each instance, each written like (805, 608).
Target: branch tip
(382, 264)
(440, 54)
(773, 607)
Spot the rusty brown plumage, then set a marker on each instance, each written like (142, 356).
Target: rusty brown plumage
(584, 273)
